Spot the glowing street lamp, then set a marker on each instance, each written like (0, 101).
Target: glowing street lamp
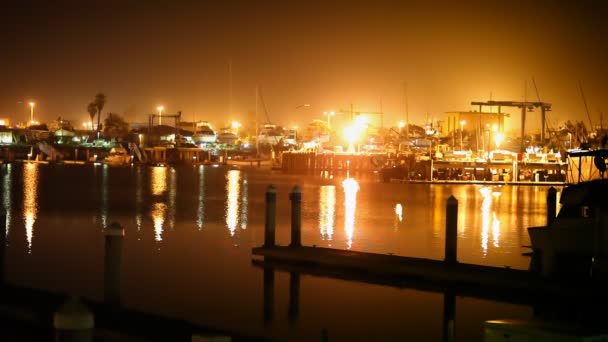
(462, 123)
(235, 127)
(498, 138)
(160, 114)
(32, 104)
(329, 115)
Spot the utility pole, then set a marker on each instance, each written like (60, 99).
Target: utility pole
(257, 135)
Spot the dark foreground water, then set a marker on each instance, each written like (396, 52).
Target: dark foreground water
(190, 230)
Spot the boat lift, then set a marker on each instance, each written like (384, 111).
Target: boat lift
(529, 106)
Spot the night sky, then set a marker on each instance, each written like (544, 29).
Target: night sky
(329, 54)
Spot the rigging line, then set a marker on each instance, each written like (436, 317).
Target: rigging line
(585, 102)
(538, 97)
(264, 106)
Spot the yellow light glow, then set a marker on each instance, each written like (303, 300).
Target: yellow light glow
(327, 209)
(488, 220)
(233, 188)
(399, 211)
(351, 187)
(30, 201)
(200, 212)
(236, 124)
(158, 181)
(32, 104)
(498, 139)
(401, 124)
(158, 213)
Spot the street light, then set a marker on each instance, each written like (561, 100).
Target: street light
(462, 123)
(235, 127)
(329, 115)
(32, 104)
(160, 114)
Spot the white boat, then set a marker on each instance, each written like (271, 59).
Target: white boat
(204, 133)
(270, 134)
(227, 138)
(118, 156)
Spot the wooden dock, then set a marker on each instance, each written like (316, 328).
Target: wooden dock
(495, 283)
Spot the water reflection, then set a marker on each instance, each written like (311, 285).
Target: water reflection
(138, 198)
(7, 186)
(104, 196)
(158, 210)
(233, 188)
(158, 213)
(200, 210)
(30, 200)
(327, 211)
(351, 187)
(244, 203)
(398, 215)
(489, 221)
(158, 181)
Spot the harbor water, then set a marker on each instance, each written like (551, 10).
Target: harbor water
(190, 230)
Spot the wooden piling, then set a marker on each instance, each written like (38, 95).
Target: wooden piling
(551, 205)
(268, 295)
(294, 297)
(296, 217)
(73, 322)
(271, 213)
(451, 230)
(113, 258)
(3, 238)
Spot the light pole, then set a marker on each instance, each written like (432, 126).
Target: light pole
(32, 104)
(329, 115)
(462, 123)
(160, 114)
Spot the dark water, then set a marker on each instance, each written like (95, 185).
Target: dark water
(190, 230)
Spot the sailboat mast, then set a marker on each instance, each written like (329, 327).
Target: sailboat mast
(257, 134)
(407, 113)
(230, 85)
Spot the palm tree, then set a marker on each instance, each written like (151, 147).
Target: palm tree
(114, 126)
(100, 101)
(92, 109)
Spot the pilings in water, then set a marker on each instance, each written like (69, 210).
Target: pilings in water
(296, 217)
(551, 205)
(113, 260)
(2, 243)
(271, 213)
(303, 162)
(451, 230)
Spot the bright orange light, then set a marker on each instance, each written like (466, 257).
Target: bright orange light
(401, 124)
(498, 139)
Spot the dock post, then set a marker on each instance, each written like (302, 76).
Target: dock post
(551, 205)
(2, 243)
(451, 230)
(271, 214)
(268, 295)
(113, 258)
(294, 297)
(73, 322)
(296, 217)
(449, 314)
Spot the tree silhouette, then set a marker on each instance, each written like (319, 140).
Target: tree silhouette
(92, 109)
(114, 126)
(100, 102)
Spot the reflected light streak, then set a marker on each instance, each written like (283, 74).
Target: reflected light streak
(104, 197)
(30, 206)
(138, 199)
(200, 210)
(244, 203)
(399, 212)
(158, 181)
(351, 187)
(7, 186)
(172, 197)
(158, 213)
(233, 188)
(327, 211)
(489, 219)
